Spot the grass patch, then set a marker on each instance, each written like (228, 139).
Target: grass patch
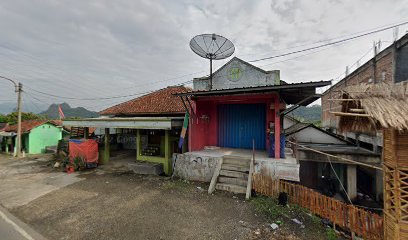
(311, 227)
(331, 234)
(176, 184)
(270, 208)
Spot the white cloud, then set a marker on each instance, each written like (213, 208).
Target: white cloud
(98, 48)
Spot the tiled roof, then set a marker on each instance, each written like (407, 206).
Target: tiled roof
(2, 126)
(26, 126)
(159, 102)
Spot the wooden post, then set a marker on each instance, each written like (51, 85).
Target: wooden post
(86, 132)
(138, 151)
(352, 181)
(167, 165)
(277, 128)
(7, 145)
(106, 152)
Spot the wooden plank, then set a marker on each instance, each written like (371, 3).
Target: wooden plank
(343, 99)
(356, 110)
(249, 184)
(358, 221)
(350, 114)
(214, 178)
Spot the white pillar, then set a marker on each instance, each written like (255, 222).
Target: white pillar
(352, 181)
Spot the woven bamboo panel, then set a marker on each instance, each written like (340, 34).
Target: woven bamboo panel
(395, 155)
(390, 190)
(363, 223)
(395, 151)
(389, 227)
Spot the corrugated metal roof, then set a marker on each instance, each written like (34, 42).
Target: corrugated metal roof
(162, 101)
(257, 88)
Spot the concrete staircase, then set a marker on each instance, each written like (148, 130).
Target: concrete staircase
(232, 174)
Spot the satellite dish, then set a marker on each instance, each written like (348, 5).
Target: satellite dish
(213, 47)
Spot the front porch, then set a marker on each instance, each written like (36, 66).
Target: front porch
(200, 165)
(259, 155)
(150, 139)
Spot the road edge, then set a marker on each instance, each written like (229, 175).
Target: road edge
(22, 228)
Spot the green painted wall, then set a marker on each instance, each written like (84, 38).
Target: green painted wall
(43, 136)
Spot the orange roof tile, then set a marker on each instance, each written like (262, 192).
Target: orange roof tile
(159, 102)
(26, 126)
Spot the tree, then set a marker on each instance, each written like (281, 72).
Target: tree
(12, 117)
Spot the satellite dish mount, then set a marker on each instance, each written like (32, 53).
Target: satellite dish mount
(213, 47)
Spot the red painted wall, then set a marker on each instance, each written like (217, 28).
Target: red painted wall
(204, 131)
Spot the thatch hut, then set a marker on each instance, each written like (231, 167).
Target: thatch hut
(370, 108)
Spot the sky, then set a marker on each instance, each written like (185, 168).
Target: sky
(101, 48)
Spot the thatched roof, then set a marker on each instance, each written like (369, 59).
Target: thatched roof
(370, 107)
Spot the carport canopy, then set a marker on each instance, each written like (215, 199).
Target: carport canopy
(165, 123)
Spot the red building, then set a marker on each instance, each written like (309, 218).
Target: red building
(241, 104)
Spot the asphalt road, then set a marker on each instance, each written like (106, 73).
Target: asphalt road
(13, 229)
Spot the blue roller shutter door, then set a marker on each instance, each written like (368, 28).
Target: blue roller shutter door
(238, 124)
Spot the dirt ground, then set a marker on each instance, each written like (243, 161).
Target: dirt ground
(122, 205)
(128, 206)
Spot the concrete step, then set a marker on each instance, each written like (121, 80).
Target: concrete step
(236, 160)
(238, 168)
(228, 173)
(147, 168)
(233, 181)
(230, 188)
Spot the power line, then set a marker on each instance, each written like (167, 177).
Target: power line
(323, 40)
(281, 55)
(331, 43)
(341, 184)
(101, 98)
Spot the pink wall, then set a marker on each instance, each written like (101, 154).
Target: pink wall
(204, 132)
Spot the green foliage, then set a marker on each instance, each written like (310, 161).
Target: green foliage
(331, 234)
(310, 114)
(79, 163)
(176, 184)
(270, 208)
(12, 117)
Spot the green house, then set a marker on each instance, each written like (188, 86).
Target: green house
(37, 135)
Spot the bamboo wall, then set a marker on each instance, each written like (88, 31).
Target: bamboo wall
(363, 223)
(395, 155)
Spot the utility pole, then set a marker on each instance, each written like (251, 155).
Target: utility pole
(18, 145)
(18, 89)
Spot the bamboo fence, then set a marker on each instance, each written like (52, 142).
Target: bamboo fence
(356, 220)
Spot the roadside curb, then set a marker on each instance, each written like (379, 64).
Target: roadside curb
(25, 231)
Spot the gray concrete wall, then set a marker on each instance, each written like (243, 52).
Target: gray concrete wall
(236, 74)
(287, 122)
(312, 135)
(194, 167)
(278, 169)
(198, 167)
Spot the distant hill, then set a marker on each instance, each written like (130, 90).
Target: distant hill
(311, 114)
(78, 112)
(27, 106)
